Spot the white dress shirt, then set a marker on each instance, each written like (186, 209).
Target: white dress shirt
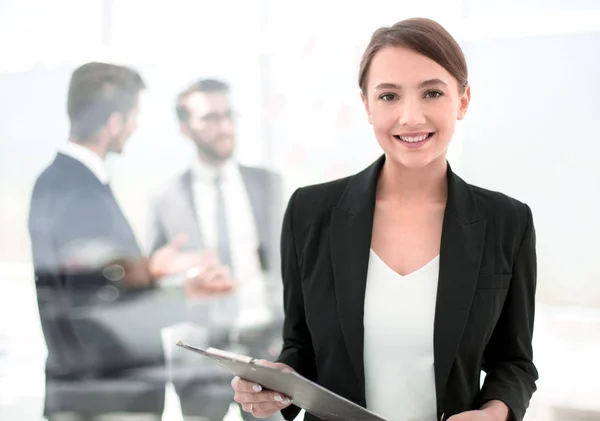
(88, 158)
(398, 346)
(243, 236)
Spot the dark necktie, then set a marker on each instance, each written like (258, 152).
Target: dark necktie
(222, 226)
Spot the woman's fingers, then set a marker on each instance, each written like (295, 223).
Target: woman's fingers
(260, 397)
(264, 409)
(254, 399)
(241, 385)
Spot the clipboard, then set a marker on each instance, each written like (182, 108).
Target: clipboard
(303, 393)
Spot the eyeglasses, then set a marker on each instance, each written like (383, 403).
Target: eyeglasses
(216, 118)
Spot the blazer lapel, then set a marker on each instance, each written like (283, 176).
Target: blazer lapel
(461, 251)
(350, 237)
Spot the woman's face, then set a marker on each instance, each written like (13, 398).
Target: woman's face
(413, 104)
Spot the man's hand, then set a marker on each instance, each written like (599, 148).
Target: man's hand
(131, 273)
(206, 276)
(209, 279)
(169, 260)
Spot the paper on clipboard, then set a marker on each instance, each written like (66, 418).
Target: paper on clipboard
(304, 393)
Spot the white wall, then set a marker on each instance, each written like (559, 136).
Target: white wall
(532, 134)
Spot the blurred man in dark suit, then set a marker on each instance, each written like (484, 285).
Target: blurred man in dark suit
(230, 213)
(96, 291)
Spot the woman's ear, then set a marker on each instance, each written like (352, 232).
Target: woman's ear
(366, 104)
(465, 99)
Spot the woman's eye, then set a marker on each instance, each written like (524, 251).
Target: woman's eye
(388, 97)
(433, 94)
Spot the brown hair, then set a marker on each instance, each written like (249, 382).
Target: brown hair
(424, 36)
(98, 90)
(204, 86)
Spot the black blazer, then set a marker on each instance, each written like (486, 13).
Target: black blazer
(485, 300)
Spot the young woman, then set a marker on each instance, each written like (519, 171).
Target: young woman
(403, 282)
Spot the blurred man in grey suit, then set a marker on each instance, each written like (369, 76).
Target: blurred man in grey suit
(231, 213)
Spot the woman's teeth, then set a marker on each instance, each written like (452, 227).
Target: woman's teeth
(413, 139)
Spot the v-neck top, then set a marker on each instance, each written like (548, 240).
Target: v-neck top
(398, 346)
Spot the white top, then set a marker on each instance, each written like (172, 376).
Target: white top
(243, 236)
(89, 158)
(398, 349)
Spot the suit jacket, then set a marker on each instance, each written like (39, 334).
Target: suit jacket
(173, 212)
(75, 226)
(485, 300)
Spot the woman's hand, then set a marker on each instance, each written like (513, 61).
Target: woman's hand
(258, 402)
(491, 411)
(478, 415)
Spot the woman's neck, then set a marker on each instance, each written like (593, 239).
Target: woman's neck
(414, 185)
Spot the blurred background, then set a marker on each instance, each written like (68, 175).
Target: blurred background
(531, 132)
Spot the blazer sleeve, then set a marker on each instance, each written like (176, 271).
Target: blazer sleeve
(87, 240)
(297, 350)
(84, 240)
(71, 243)
(508, 357)
(52, 303)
